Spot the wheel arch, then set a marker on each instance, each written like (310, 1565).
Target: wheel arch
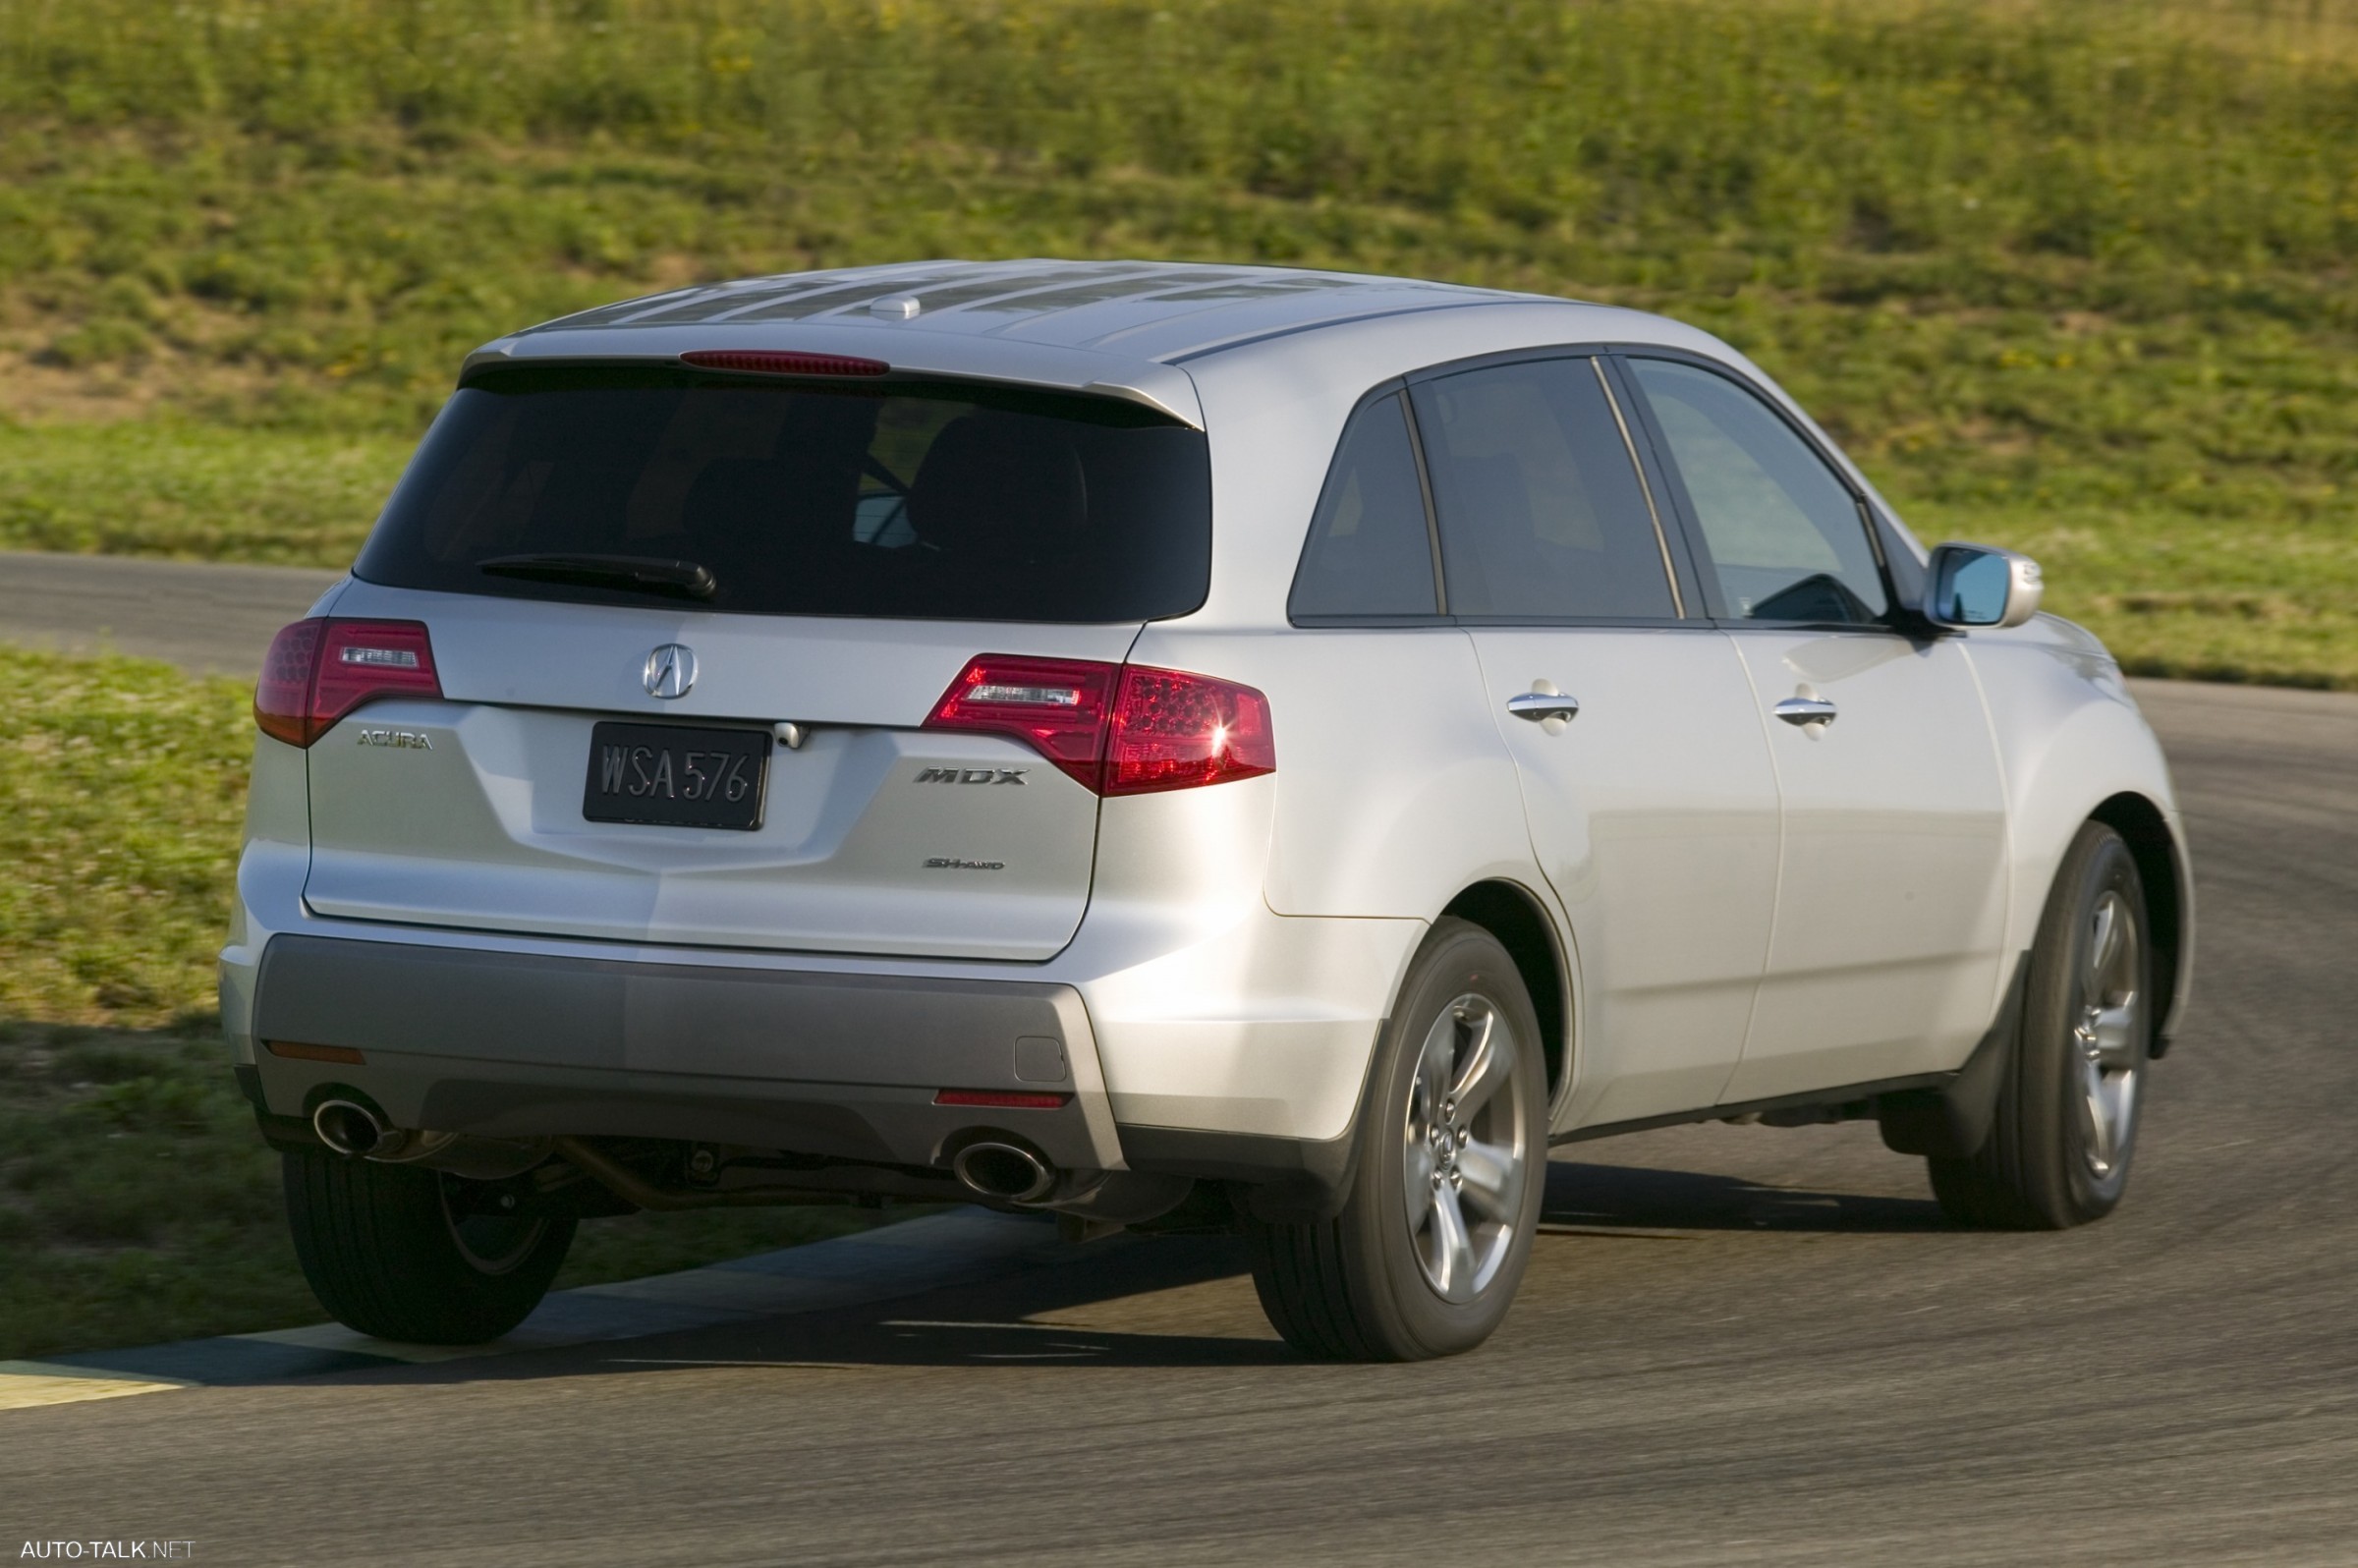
(1513, 914)
(2162, 867)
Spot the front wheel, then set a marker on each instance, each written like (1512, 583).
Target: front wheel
(1435, 1234)
(2060, 1146)
(402, 1253)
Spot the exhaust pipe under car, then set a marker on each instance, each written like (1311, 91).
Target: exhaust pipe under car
(1003, 1172)
(353, 1130)
(350, 1127)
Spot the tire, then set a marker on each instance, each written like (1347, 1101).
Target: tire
(1381, 1280)
(389, 1250)
(2065, 1131)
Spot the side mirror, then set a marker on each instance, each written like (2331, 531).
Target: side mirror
(1979, 584)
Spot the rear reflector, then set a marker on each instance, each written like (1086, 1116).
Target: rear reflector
(315, 1053)
(1117, 729)
(780, 362)
(999, 1099)
(319, 670)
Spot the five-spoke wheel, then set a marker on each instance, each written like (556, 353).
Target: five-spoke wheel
(2065, 1126)
(1464, 1154)
(1436, 1224)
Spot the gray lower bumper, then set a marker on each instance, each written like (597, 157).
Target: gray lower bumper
(504, 1043)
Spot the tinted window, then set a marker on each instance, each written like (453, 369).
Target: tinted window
(1784, 539)
(1541, 512)
(1369, 552)
(935, 501)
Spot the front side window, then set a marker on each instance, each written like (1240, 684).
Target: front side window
(1370, 555)
(899, 499)
(1783, 538)
(1543, 517)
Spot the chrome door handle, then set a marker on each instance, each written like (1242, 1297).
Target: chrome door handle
(1804, 710)
(1537, 706)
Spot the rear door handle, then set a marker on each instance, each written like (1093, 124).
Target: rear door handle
(1804, 710)
(1537, 706)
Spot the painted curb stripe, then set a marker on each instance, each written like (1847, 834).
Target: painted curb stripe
(966, 1246)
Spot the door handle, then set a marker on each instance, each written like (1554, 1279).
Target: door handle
(1537, 706)
(1804, 710)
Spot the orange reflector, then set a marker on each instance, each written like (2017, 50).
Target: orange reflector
(315, 1053)
(999, 1099)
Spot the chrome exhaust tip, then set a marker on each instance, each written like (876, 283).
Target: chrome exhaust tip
(1003, 1172)
(347, 1128)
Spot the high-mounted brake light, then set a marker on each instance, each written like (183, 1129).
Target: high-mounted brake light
(319, 670)
(1119, 729)
(782, 361)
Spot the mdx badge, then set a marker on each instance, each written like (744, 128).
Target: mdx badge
(972, 775)
(670, 670)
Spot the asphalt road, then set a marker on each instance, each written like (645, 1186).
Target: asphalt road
(1736, 1345)
(202, 617)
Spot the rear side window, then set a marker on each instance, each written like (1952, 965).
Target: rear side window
(1370, 554)
(1542, 514)
(891, 499)
(1782, 536)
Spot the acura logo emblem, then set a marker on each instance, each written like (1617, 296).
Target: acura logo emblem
(670, 670)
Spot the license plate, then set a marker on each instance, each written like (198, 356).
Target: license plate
(668, 775)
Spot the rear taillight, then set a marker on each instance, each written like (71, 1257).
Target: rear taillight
(1120, 729)
(319, 670)
(1056, 706)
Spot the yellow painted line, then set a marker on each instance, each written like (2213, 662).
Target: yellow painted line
(27, 1384)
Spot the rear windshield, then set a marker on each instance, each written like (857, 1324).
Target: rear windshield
(926, 500)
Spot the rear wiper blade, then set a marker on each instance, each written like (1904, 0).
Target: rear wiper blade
(640, 574)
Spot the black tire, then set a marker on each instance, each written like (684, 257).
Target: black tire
(1360, 1287)
(2060, 1145)
(391, 1251)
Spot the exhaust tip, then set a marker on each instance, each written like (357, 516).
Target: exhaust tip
(347, 1128)
(1003, 1171)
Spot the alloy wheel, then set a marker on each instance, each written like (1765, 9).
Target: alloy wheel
(2106, 1040)
(1466, 1150)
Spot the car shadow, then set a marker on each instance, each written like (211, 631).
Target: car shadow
(1161, 1301)
(1586, 1199)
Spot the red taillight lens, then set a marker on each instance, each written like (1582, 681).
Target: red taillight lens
(1173, 731)
(1056, 706)
(1118, 729)
(780, 361)
(999, 1099)
(319, 670)
(282, 698)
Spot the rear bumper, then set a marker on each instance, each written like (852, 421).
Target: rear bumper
(509, 1044)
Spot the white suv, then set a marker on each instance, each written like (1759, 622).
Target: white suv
(1164, 744)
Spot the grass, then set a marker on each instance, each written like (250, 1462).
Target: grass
(2067, 275)
(137, 1200)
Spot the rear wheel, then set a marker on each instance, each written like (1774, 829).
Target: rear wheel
(403, 1253)
(2060, 1146)
(1432, 1239)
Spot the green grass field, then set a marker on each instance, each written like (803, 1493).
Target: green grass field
(2072, 275)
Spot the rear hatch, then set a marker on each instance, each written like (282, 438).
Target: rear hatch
(688, 626)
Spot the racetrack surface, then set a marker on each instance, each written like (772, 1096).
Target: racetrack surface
(206, 618)
(1736, 1345)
